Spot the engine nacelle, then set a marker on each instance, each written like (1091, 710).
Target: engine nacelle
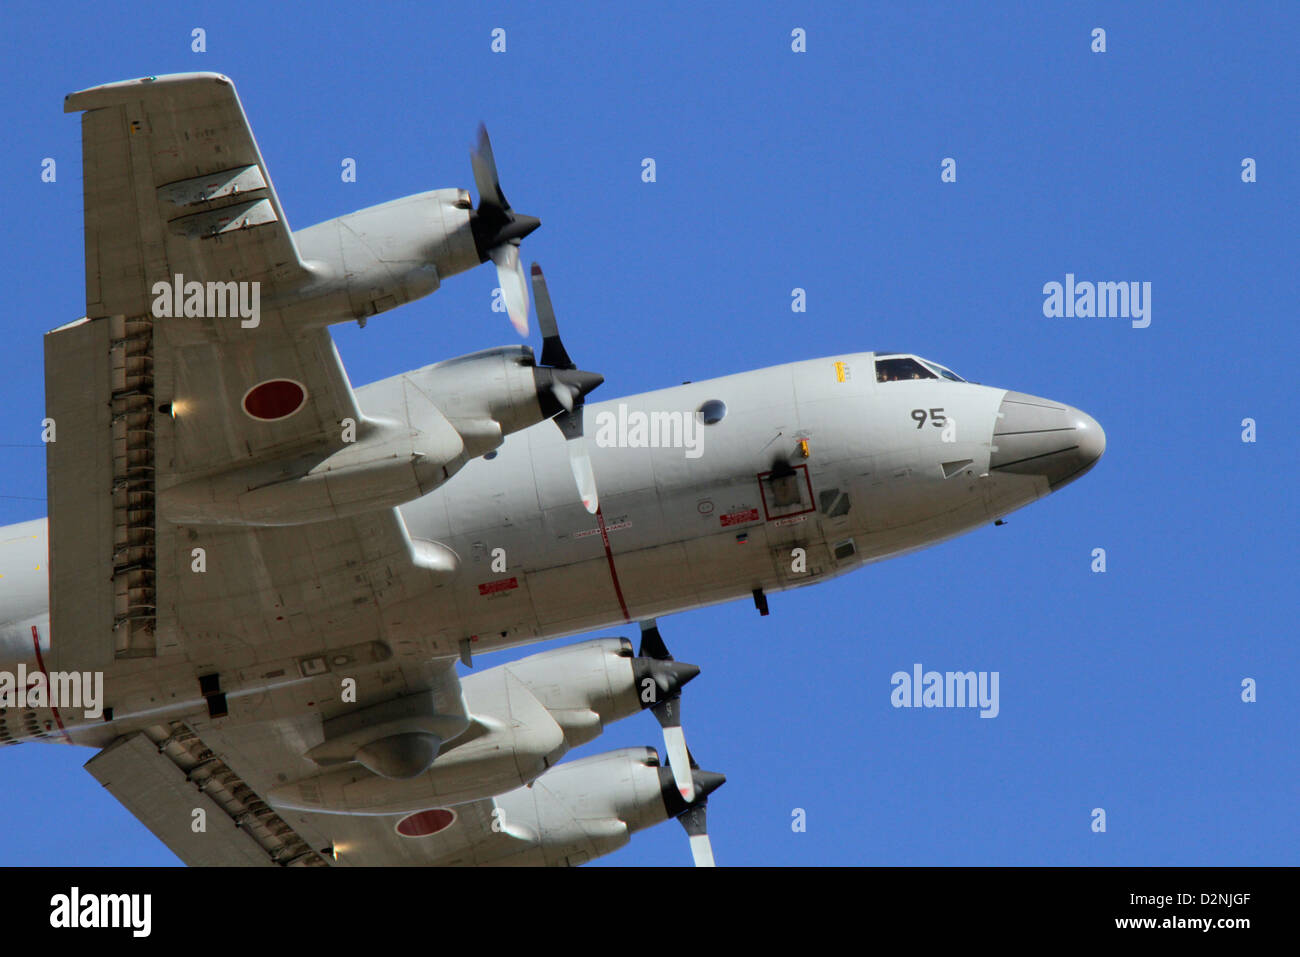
(389, 463)
(524, 717)
(380, 257)
(485, 395)
(575, 812)
(586, 686)
(495, 754)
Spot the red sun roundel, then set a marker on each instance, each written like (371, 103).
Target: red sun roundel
(424, 823)
(274, 399)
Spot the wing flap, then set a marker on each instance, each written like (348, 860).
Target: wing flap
(157, 792)
(85, 517)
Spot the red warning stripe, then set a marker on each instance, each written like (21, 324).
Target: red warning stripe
(40, 663)
(609, 557)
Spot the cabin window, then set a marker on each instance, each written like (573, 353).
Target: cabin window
(713, 411)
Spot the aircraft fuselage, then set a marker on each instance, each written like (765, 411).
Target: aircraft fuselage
(813, 469)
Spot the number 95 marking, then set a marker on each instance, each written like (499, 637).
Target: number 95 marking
(936, 416)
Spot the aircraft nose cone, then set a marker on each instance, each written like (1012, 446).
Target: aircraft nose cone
(1036, 436)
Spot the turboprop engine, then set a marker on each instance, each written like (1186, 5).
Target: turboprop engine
(417, 431)
(584, 809)
(380, 257)
(491, 393)
(523, 717)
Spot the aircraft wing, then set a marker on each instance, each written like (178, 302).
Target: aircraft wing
(167, 774)
(266, 623)
(176, 192)
(174, 183)
(145, 404)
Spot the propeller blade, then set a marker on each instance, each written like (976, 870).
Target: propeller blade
(514, 288)
(692, 784)
(702, 850)
(678, 759)
(563, 394)
(692, 813)
(580, 463)
(652, 643)
(485, 172)
(553, 351)
(668, 711)
(569, 386)
(497, 231)
(693, 820)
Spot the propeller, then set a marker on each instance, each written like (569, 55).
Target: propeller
(668, 708)
(692, 813)
(561, 388)
(498, 231)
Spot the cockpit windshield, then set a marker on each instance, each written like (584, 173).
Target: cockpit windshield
(898, 368)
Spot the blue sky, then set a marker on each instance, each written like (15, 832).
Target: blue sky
(821, 170)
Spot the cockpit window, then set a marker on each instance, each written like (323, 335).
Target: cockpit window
(896, 368)
(901, 368)
(942, 372)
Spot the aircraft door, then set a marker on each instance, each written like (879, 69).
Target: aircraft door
(793, 534)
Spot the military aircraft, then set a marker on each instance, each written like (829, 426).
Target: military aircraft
(260, 579)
